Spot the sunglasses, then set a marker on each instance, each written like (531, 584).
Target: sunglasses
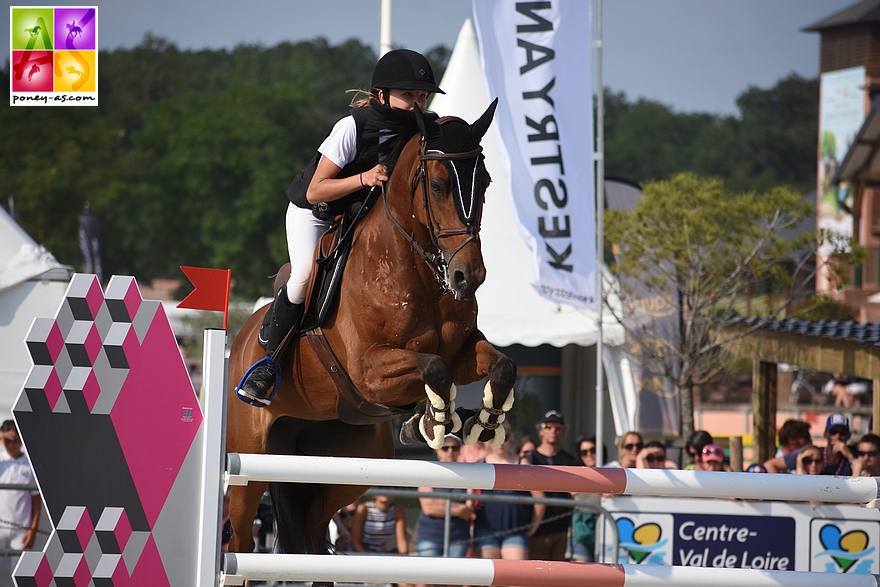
(549, 426)
(450, 448)
(838, 432)
(809, 461)
(591, 451)
(637, 446)
(655, 459)
(869, 453)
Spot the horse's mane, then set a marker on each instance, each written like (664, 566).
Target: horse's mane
(394, 128)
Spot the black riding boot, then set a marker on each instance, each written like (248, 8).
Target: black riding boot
(284, 317)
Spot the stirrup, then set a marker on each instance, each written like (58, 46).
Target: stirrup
(276, 369)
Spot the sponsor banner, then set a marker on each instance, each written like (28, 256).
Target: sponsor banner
(841, 114)
(536, 59)
(733, 534)
(53, 53)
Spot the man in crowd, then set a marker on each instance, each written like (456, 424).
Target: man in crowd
(838, 456)
(550, 540)
(793, 435)
(867, 464)
(19, 508)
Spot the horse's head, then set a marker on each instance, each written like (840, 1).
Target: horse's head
(452, 180)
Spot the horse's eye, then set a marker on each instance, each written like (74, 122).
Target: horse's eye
(438, 187)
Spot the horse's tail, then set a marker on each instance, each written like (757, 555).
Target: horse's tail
(290, 524)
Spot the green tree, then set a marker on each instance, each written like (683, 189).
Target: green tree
(187, 157)
(697, 246)
(779, 130)
(772, 142)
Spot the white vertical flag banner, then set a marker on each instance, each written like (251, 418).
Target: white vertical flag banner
(536, 58)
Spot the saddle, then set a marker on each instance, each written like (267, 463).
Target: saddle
(331, 255)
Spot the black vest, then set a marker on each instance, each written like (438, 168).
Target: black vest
(296, 192)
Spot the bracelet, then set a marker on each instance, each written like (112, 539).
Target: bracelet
(361, 177)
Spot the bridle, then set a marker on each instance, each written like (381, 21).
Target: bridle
(436, 261)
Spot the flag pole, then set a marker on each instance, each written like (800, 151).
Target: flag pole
(384, 27)
(226, 301)
(600, 234)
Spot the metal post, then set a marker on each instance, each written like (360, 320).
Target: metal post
(447, 523)
(600, 234)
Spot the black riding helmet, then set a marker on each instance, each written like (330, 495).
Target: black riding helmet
(403, 69)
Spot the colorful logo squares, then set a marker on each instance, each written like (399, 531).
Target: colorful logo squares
(54, 51)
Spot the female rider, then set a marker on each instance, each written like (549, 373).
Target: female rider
(345, 172)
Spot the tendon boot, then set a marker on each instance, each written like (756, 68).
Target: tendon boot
(260, 379)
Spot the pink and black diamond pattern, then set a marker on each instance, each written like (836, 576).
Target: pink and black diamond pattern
(112, 426)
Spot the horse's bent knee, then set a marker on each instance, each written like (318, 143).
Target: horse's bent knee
(502, 374)
(436, 373)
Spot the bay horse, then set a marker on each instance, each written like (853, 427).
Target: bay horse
(404, 327)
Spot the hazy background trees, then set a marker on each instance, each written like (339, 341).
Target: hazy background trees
(187, 157)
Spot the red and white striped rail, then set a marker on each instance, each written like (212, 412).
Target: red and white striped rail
(525, 573)
(242, 468)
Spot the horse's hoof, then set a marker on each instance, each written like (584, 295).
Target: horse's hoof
(409, 431)
(475, 430)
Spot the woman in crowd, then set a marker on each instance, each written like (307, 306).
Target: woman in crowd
(712, 458)
(501, 530)
(653, 456)
(583, 523)
(375, 522)
(810, 461)
(695, 444)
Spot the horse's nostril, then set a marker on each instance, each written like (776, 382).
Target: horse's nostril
(459, 279)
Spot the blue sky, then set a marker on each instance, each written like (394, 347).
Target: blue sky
(693, 55)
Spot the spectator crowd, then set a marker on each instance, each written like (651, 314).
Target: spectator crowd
(485, 528)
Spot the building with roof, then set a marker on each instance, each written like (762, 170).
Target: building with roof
(849, 135)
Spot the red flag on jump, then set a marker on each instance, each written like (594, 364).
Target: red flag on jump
(211, 290)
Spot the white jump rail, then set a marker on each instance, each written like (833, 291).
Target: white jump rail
(243, 468)
(526, 573)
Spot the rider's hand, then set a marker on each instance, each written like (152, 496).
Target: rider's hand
(375, 176)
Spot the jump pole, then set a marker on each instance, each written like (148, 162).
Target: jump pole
(242, 468)
(525, 573)
(213, 398)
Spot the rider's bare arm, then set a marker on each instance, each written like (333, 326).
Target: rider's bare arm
(326, 187)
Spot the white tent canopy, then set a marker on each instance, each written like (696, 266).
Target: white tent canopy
(32, 285)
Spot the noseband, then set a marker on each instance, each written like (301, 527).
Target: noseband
(438, 265)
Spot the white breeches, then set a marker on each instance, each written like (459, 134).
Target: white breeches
(303, 232)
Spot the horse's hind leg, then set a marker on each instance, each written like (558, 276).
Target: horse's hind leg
(243, 504)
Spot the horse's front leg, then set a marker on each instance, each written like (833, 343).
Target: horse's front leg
(476, 360)
(390, 374)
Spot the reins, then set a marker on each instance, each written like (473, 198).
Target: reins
(436, 262)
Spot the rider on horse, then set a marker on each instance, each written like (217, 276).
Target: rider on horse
(346, 171)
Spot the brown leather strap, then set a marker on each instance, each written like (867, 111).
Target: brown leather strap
(351, 406)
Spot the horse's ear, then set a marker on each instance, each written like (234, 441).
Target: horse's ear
(480, 127)
(420, 120)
